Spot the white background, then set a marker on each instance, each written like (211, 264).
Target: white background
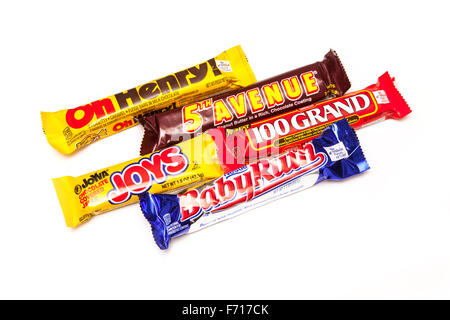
(383, 234)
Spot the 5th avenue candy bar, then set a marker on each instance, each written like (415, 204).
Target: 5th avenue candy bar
(282, 93)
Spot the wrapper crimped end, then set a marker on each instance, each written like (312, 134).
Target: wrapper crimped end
(354, 163)
(64, 188)
(160, 210)
(146, 140)
(337, 73)
(279, 94)
(386, 82)
(334, 155)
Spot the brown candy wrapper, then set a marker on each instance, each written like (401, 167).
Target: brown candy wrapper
(239, 108)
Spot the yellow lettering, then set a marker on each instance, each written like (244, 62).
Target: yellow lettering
(221, 112)
(192, 121)
(273, 94)
(310, 83)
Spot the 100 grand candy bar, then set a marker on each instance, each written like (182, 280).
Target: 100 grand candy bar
(334, 155)
(274, 135)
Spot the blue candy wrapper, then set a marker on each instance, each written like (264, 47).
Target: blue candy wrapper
(335, 155)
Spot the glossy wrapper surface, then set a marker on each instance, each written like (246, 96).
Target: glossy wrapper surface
(275, 135)
(335, 155)
(170, 170)
(239, 108)
(72, 129)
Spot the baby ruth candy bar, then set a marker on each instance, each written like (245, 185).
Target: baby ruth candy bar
(170, 170)
(71, 129)
(239, 108)
(335, 155)
(277, 134)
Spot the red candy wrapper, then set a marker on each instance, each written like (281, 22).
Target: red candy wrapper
(237, 109)
(280, 133)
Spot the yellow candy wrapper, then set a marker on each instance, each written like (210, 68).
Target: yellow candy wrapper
(170, 170)
(69, 130)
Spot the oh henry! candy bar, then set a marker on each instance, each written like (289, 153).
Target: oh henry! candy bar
(170, 170)
(277, 134)
(335, 155)
(71, 129)
(287, 91)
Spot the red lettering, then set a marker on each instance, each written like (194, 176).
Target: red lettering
(174, 160)
(136, 178)
(226, 190)
(79, 117)
(155, 167)
(122, 125)
(120, 192)
(285, 164)
(261, 170)
(248, 187)
(208, 199)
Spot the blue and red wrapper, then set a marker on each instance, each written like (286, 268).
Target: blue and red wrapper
(335, 155)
